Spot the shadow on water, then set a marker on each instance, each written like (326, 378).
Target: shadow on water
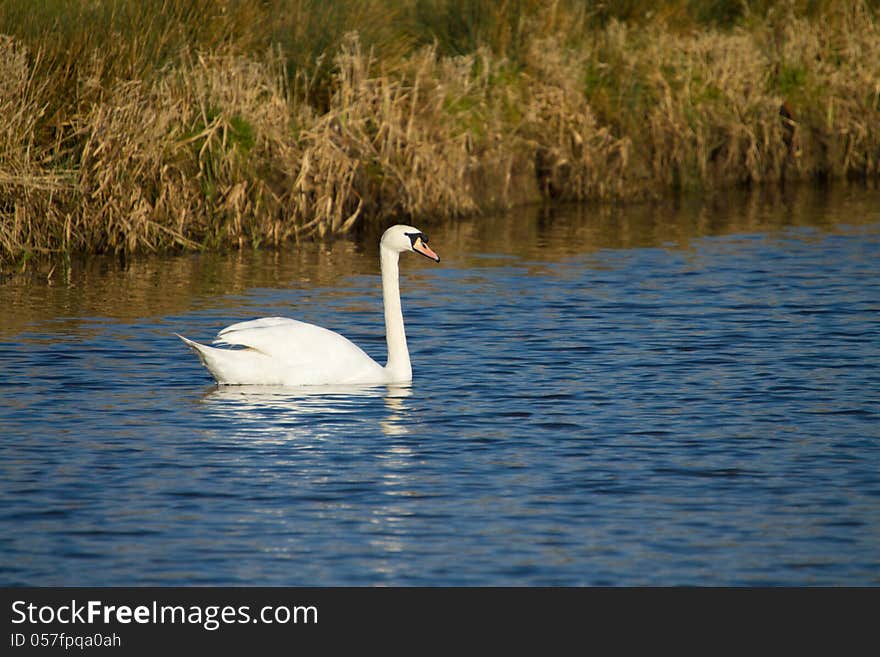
(160, 286)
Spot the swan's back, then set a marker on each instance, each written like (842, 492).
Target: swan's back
(282, 351)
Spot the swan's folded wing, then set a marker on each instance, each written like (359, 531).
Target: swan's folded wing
(300, 346)
(235, 332)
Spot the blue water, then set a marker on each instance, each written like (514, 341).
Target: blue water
(624, 399)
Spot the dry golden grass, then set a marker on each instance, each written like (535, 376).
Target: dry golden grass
(31, 195)
(224, 145)
(789, 98)
(382, 149)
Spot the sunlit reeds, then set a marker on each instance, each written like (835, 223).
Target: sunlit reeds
(167, 125)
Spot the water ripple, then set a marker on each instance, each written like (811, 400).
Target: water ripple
(643, 415)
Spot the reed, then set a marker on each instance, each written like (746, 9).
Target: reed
(172, 125)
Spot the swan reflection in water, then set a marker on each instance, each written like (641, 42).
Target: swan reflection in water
(349, 447)
(285, 412)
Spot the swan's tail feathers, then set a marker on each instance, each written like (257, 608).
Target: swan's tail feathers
(231, 366)
(211, 358)
(200, 349)
(190, 343)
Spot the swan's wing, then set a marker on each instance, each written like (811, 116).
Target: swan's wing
(312, 352)
(265, 322)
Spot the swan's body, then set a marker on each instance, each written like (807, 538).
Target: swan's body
(286, 352)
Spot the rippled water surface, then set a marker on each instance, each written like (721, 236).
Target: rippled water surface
(621, 395)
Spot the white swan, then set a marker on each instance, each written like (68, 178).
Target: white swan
(286, 352)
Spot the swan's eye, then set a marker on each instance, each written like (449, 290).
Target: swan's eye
(414, 237)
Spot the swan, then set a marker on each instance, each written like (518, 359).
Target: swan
(286, 352)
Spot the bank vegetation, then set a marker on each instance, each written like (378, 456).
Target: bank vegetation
(155, 125)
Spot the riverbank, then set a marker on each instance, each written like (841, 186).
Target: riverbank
(184, 126)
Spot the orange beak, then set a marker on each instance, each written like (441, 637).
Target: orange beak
(420, 247)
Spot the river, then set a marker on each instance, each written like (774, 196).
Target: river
(677, 393)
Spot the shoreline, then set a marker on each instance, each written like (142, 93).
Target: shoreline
(222, 147)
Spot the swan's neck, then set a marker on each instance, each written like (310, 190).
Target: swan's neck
(398, 367)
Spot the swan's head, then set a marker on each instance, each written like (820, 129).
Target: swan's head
(406, 238)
